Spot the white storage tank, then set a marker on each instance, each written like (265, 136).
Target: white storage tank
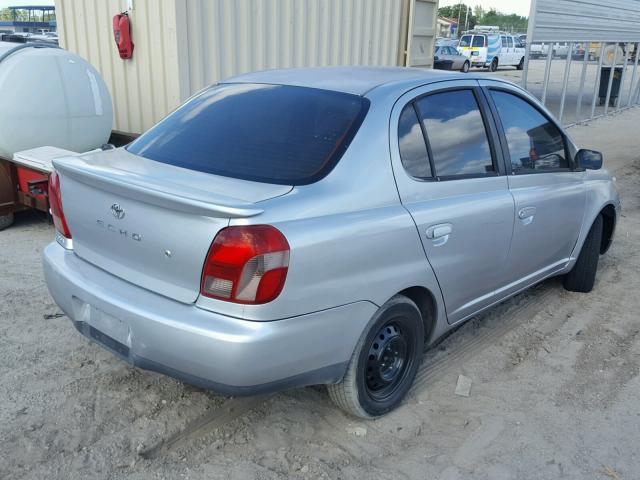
(50, 97)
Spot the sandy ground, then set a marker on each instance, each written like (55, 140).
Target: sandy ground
(555, 386)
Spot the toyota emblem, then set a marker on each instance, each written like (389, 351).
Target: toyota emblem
(117, 211)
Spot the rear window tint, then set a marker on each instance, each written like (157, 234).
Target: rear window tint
(465, 41)
(413, 149)
(478, 41)
(266, 133)
(456, 133)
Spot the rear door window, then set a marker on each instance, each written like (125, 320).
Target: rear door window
(478, 41)
(413, 149)
(465, 41)
(535, 143)
(266, 133)
(510, 41)
(456, 134)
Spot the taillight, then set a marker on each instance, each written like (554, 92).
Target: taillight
(55, 204)
(246, 264)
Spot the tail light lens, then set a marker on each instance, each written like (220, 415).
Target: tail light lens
(55, 204)
(246, 264)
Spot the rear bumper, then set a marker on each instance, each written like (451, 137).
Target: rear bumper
(443, 65)
(225, 354)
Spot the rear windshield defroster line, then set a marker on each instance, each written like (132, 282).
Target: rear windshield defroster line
(277, 134)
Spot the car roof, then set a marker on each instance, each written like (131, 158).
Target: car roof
(354, 80)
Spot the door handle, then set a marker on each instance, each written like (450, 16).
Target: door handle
(439, 231)
(526, 212)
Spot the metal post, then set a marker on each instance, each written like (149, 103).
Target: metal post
(583, 77)
(612, 72)
(634, 75)
(547, 71)
(624, 72)
(565, 81)
(525, 71)
(530, 38)
(597, 83)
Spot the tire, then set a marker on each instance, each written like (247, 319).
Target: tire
(465, 67)
(494, 65)
(521, 64)
(582, 276)
(371, 386)
(6, 221)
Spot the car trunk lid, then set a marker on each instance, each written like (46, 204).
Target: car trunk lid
(151, 223)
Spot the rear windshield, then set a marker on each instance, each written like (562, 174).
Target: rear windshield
(266, 133)
(465, 41)
(478, 41)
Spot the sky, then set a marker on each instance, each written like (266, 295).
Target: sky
(520, 7)
(11, 3)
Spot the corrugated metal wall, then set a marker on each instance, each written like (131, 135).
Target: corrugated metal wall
(182, 46)
(581, 20)
(144, 89)
(227, 37)
(424, 18)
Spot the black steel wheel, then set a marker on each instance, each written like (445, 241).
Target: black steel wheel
(389, 355)
(385, 361)
(494, 65)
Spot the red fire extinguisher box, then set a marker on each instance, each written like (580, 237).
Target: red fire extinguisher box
(122, 35)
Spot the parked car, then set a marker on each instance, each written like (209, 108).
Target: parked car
(579, 53)
(491, 49)
(561, 50)
(321, 226)
(538, 50)
(448, 58)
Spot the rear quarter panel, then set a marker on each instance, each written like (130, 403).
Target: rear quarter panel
(351, 239)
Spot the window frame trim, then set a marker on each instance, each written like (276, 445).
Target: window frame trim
(503, 138)
(491, 131)
(428, 148)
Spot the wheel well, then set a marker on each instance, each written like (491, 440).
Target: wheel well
(426, 303)
(608, 226)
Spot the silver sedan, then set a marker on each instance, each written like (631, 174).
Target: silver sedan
(448, 58)
(322, 226)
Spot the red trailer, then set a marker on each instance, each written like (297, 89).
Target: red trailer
(24, 180)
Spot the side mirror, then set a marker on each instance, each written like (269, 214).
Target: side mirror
(436, 58)
(589, 159)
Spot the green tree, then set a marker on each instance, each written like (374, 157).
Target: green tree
(462, 12)
(510, 22)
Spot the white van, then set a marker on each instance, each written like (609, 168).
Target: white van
(490, 49)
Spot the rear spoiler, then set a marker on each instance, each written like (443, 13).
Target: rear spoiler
(166, 195)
